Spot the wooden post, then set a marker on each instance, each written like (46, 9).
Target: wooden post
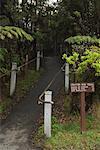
(66, 77)
(47, 113)
(38, 61)
(13, 78)
(82, 88)
(82, 112)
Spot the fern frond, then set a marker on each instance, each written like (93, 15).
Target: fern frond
(15, 34)
(7, 34)
(82, 39)
(2, 37)
(18, 31)
(11, 32)
(26, 35)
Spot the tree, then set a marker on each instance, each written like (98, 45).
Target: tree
(84, 58)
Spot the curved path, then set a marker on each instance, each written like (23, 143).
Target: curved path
(16, 131)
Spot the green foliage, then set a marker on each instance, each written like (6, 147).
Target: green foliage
(14, 32)
(25, 84)
(83, 39)
(16, 58)
(4, 105)
(77, 13)
(68, 137)
(21, 88)
(89, 60)
(72, 59)
(3, 53)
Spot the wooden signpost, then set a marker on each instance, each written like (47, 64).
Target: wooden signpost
(82, 88)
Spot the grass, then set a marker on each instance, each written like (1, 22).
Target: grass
(4, 105)
(21, 88)
(27, 82)
(68, 137)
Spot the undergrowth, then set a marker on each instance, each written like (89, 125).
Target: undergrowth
(22, 87)
(67, 136)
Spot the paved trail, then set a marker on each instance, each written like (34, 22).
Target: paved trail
(15, 133)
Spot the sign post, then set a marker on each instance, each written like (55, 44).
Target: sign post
(82, 112)
(82, 88)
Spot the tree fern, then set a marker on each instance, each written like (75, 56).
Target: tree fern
(14, 32)
(2, 37)
(6, 34)
(82, 39)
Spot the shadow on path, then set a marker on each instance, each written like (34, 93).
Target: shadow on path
(16, 131)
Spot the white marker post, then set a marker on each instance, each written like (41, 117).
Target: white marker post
(66, 77)
(47, 113)
(13, 78)
(38, 61)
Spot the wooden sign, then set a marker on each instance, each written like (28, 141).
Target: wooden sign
(82, 88)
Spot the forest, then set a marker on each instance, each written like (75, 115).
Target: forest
(67, 29)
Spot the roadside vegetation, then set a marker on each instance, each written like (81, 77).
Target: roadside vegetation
(66, 133)
(69, 29)
(22, 87)
(67, 136)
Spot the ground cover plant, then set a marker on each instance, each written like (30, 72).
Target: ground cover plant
(66, 133)
(67, 136)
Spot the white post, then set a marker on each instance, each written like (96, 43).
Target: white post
(13, 78)
(66, 77)
(38, 61)
(47, 113)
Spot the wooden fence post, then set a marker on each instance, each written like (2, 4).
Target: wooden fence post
(13, 78)
(38, 61)
(82, 112)
(47, 113)
(66, 77)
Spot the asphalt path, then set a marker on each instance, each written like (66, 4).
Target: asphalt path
(15, 132)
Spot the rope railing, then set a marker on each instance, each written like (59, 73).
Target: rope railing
(18, 68)
(40, 101)
(27, 63)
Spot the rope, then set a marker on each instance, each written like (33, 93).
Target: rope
(27, 63)
(18, 67)
(50, 83)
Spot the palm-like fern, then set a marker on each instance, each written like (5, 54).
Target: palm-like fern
(14, 32)
(82, 39)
